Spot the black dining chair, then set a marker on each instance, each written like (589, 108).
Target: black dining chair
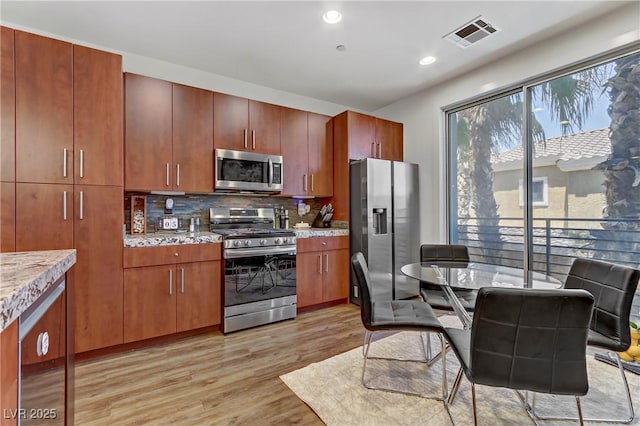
(433, 294)
(525, 340)
(613, 288)
(393, 315)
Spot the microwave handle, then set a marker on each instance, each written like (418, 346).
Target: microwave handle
(270, 172)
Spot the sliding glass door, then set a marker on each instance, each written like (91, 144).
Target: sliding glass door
(550, 171)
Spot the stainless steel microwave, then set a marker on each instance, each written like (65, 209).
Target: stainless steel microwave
(248, 171)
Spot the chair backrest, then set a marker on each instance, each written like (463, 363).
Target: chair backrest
(613, 287)
(361, 271)
(531, 339)
(444, 252)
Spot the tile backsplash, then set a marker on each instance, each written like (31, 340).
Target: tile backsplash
(188, 206)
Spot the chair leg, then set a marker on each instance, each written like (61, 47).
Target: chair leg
(579, 411)
(455, 386)
(603, 420)
(473, 404)
(365, 352)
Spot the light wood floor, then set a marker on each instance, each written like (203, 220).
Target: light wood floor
(215, 379)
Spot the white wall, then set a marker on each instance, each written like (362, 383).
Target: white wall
(423, 117)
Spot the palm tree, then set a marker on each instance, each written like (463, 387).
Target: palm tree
(622, 168)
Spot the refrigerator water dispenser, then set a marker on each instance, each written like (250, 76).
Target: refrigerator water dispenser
(379, 221)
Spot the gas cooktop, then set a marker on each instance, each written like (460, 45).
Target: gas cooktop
(253, 232)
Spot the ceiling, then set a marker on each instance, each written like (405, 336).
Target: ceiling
(287, 46)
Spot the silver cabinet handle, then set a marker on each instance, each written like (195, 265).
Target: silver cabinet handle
(182, 280)
(326, 264)
(64, 162)
(320, 264)
(81, 204)
(373, 149)
(64, 205)
(245, 138)
(312, 183)
(178, 174)
(170, 282)
(304, 182)
(166, 171)
(379, 150)
(82, 163)
(253, 139)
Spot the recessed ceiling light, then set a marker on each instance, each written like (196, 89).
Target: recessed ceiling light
(427, 60)
(332, 17)
(341, 48)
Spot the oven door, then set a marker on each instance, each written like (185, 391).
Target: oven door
(259, 289)
(248, 171)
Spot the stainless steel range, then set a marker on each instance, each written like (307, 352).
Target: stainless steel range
(260, 267)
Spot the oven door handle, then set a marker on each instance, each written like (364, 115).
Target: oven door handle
(238, 253)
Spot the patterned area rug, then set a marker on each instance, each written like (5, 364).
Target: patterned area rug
(332, 388)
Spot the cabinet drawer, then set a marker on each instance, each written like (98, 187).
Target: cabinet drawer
(322, 243)
(165, 255)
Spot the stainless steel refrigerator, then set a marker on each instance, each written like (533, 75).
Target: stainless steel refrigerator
(384, 224)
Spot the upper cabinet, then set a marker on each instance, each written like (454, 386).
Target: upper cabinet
(7, 107)
(371, 137)
(44, 110)
(246, 125)
(97, 117)
(168, 136)
(307, 150)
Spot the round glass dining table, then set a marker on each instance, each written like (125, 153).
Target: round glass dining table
(472, 276)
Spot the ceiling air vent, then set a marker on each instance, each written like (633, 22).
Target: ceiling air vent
(471, 32)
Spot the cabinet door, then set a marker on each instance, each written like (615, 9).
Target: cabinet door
(148, 143)
(264, 122)
(230, 122)
(7, 107)
(295, 152)
(309, 273)
(44, 216)
(7, 217)
(98, 269)
(320, 155)
(44, 109)
(97, 117)
(198, 290)
(389, 140)
(192, 139)
(362, 133)
(149, 302)
(336, 275)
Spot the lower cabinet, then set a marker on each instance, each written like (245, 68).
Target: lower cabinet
(170, 297)
(322, 269)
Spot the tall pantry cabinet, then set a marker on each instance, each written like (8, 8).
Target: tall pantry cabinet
(7, 142)
(68, 172)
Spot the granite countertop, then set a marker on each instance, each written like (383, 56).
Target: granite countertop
(320, 232)
(25, 276)
(170, 238)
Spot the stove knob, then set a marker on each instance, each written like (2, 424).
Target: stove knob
(263, 242)
(247, 243)
(289, 241)
(237, 243)
(278, 241)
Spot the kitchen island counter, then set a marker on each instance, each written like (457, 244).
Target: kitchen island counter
(25, 276)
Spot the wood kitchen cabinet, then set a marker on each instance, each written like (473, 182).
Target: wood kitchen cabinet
(97, 274)
(97, 117)
(7, 217)
(322, 268)
(170, 289)
(45, 221)
(44, 109)
(7, 106)
(307, 149)
(357, 136)
(9, 367)
(245, 124)
(168, 136)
